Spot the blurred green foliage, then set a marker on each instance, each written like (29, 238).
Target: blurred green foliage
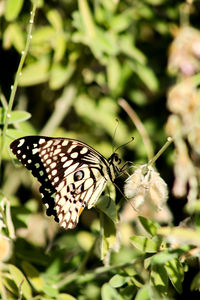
(88, 64)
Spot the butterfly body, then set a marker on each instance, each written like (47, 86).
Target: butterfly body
(72, 174)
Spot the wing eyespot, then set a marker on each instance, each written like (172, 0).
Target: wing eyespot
(79, 175)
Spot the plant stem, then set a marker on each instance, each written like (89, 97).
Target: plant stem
(140, 127)
(62, 106)
(88, 276)
(16, 81)
(169, 141)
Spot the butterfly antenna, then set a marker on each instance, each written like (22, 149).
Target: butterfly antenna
(123, 145)
(114, 134)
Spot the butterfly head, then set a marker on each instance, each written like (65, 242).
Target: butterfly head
(114, 160)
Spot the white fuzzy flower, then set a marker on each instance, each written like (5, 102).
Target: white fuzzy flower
(145, 186)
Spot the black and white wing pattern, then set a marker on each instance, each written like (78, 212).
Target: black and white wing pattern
(72, 174)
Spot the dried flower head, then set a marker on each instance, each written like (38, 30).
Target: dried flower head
(145, 186)
(185, 51)
(183, 99)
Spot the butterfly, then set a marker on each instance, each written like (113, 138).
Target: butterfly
(72, 174)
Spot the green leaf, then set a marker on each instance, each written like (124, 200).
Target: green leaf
(120, 22)
(128, 292)
(89, 25)
(107, 205)
(195, 285)
(145, 244)
(35, 73)
(9, 285)
(20, 281)
(50, 291)
(143, 294)
(14, 116)
(163, 257)
(118, 280)
(159, 278)
(150, 226)
(113, 74)
(63, 296)
(60, 75)
(55, 19)
(146, 75)
(109, 293)
(108, 234)
(126, 44)
(13, 9)
(13, 35)
(176, 273)
(33, 275)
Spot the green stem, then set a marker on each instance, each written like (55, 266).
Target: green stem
(89, 276)
(152, 161)
(16, 82)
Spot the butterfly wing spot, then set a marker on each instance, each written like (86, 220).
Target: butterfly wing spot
(18, 151)
(34, 151)
(24, 156)
(71, 169)
(71, 147)
(53, 165)
(68, 163)
(48, 144)
(21, 142)
(65, 143)
(56, 179)
(57, 151)
(29, 161)
(41, 141)
(84, 150)
(74, 155)
(54, 172)
(64, 158)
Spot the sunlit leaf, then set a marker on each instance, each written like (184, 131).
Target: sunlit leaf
(109, 293)
(150, 226)
(33, 275)
(20, 281)
(35, 73)
(145, 244)
(13, 9)
(176, 273)
(14, 116)
(159, 278)
(108, 234)
(14, 36)
(117, 280)
(143, 294)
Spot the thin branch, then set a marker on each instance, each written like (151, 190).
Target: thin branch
(138, 124)
(62, 107)
(89, 276)
(17, 77)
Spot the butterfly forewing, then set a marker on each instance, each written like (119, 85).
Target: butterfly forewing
(72, 174)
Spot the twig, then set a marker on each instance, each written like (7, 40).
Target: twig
(88, 276)
(17, 77)
(138, 124)
(62, 106)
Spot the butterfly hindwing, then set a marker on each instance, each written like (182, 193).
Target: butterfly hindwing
(72, 174)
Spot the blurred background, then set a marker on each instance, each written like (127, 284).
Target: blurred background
(90, 63)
